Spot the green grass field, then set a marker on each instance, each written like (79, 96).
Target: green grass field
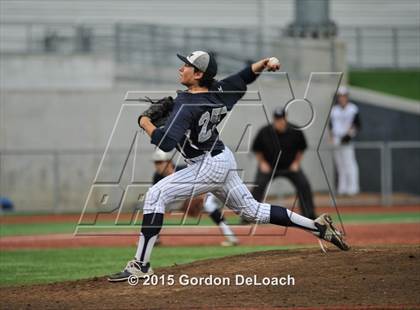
(68, 228)
(19, 267)
(23, 267)
(404, 83)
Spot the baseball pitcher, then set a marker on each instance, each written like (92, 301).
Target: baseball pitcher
(190, 126)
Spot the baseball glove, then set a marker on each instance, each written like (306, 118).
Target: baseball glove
(159, 110)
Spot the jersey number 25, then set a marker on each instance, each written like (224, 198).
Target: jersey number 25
(205, 119)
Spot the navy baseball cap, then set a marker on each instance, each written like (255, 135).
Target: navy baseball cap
(203, 61)
(279, 112)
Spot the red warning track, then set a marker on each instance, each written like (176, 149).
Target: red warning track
(366, 234)
(74, 218)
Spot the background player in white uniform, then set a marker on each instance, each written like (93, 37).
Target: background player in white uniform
(165, 167)
(192, 129)
(344, 125)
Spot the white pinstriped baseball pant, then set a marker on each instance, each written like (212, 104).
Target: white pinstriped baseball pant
(204, 174)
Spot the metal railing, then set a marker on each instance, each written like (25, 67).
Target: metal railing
(56, 38)
(58, 180)
(386, 164)
(385, 47)
(367, 47)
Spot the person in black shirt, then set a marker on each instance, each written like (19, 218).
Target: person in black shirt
(281, 139)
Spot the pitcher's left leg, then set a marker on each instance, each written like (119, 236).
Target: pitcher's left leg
(238, 198)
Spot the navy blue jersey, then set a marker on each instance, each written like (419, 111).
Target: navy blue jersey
(191, 126)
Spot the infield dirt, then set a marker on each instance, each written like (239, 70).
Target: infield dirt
(377, 278)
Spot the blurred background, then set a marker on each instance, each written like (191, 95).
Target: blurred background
(65, 67)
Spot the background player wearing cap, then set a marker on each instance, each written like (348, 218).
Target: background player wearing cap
(164, 167)
(280, 138)
(344, 126)
(192, 129)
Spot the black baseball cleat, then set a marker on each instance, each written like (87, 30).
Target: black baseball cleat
(328, 232)
(133, 268)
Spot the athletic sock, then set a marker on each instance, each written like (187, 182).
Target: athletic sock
(227, 232)
(284, 217)
(151, 226)
(218, 218)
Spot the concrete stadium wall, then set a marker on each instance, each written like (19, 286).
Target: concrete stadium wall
(300, 57)
(52, 141)
(56, 71)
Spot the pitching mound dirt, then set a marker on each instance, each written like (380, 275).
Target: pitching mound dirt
(364, 277)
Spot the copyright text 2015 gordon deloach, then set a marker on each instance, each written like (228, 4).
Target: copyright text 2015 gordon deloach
(211, 280)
